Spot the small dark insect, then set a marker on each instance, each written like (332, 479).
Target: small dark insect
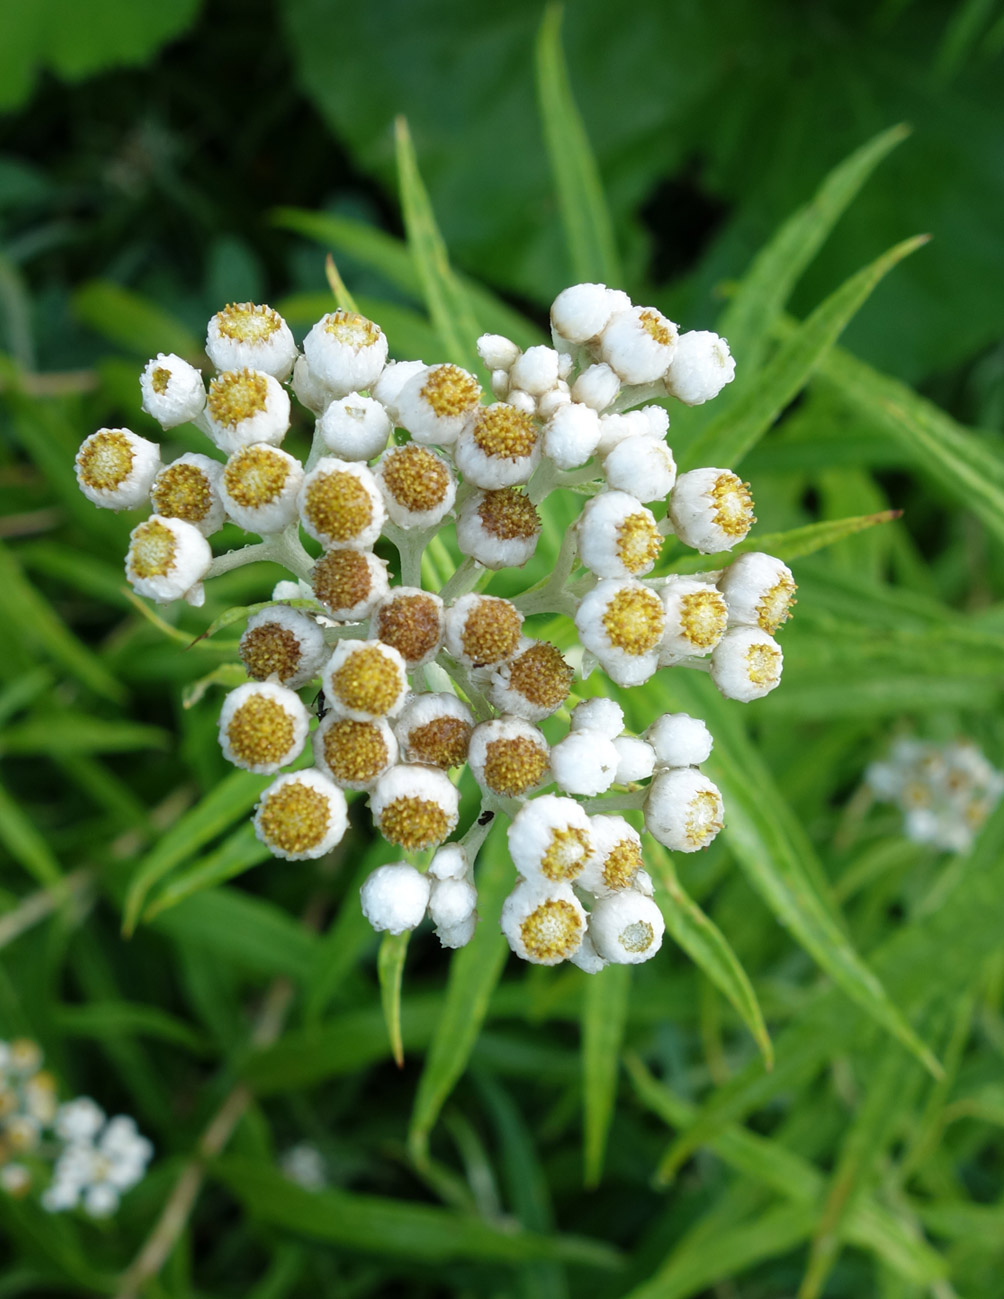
(321, 706)
(485, 817)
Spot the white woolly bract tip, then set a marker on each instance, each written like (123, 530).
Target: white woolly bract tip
(535, 371)
(587, 958)
(459, 935)
(596, 386)
(641, 465)
(584, 763)
(746, 664)
(166, 559)
(618, 536)
(604, 716)
(450, 862)
(340, 504)
(346, 352)
(701, 367)
(571, 435)
(635, 759)
(115, 468)
(626, 928)
(639, 344)
(679, 740)
(302, 815)
(683, 809)
(172, 390)
(244, 335)
(355, 427)
(394, 898)
(263, 727)
(579, 313)
(452, 902)
(711, 509)
(308, 389)
(245, 407)
(259, 488)
(543, 923)
(497, 352)
(395, 375)
(283, 644)
(550, 839)
(759, 591)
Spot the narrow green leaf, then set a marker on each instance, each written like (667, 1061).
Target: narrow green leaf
(474, 972)
(708, 948)
(394, 1228)
(342, 296)
(241, 613)
(796, 543)
(25, 844)
(734, 432)
(604, 1014)
(585, 217)
(101, 1019)
(444, 296)
(235, 855)
(80, 733)
(390, 970)
(213, 813)
(133, 322)
(338, 951)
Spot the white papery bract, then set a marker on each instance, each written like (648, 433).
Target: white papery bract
(263, 727)
(638, 344)
(683, 809)
(354, 754)
(696, 617)
(679, 740)
(618, 536)
(584, 763)
(355, 427)
(535, 371)
(635, 759)
(641, 465)
(245, 407)
(246, 336)
(746, 664)
(543, 923)
(596, 386)
(302, 815)
(167, 559)
(340, 504)
(365, 679)
(623, 624)
(345, 352)
(415, 807)
(701, 367)
(116, 468)
(259, 488)
(571, 435)
(580, 313)
(395, 898)
(617, 858)
(173, 391)
(417, 485)
(189, 488)
(550, 840)
(498, 528)
(759, 591)
(283, 644)
(626, 928)
(604, 716)
(452, 903)
(436, 404)
(435, 729)
(711, 509)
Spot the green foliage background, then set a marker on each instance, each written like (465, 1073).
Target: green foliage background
(550, 1134)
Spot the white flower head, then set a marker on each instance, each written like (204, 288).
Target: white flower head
(626, 928)
(437, 403)
(173, 391)
(354, 754)
(617, 859)
(604, 716)
(450, 862)
(79, 1120)
(535, 371)
(395, 898)
(355, 427)
(346, 352)
(499, 384)
(580, 313)
(587, 958)
(571, 435)
(622, 623)
(543, 923)
(452, 902)
(435, 729)
(683, 809)
(596, 386)
(418, 486)
(641, 465)
(711, 509)
(696, 617)
(553, 400)
(15, 1180)
(746, 664)
(388, 387)
(365, 679)
(308, 389)
(415, 807)
(167, 560)
(246, 336)
(263, 727)
(499, 528)
(340, 504)
(701, 367)
(550, 840)
(350, 583)
(412, 620)
(284, 645)
(259, 488)
(508, 757)
(635, 759)
(459, 935)
(482, 630)
(584, 763)
(759, 591)
(618, 536)
(301, 815)
(679, 740)
(115, 468)
(534, 683)
(499, 447)
(498, 352)
(245, 407)
(639, 344)
(189, 488)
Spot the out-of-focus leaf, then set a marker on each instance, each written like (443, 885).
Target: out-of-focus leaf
(133, 322)
(589, 231)
(604, 1014)
(78, 733)
(25, 844)
(127, 1019)
(236, 854)
(390, 971)
(796, 543)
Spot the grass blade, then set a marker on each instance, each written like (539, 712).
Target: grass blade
(133, 322)
(796, 543)
(604, 1015)
(235, 855)
(390, 971)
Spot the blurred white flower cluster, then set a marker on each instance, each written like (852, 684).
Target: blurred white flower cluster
(416, 682)
(945, 791)
(82, 1158)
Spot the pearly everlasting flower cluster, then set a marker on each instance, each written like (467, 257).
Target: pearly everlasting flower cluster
(87, 1159)
(418, 683)
(945, 791)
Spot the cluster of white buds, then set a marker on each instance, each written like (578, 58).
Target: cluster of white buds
(86, 1159)
(418, 683)
(945, 791)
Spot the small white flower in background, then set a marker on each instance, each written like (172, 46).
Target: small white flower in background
(945, 791)
(304, 1164)
(412, 685)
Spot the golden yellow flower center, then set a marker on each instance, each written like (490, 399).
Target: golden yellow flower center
(443, 742)
(411, 624)
(352, 329)
(704, 817)
(369, 680)
(355, 751)
(514, 766)
(160, 380)
(553, 931)
(450, 391)
(337, 505)
(246, 323)
(237, 395)
(270, 649)
(105, 460)
(775, 605)
(153, 550)
(260, 732)
(636, 937)
(505, 432)
(638, 543)
(656, 326)
(733, 505)
(508, 514)
(703, 618)
(763, 665)
(256, 476)
(415, 477)
(414, 822)
(294, 818)
(491, 632)
(566, 854)
(182, 492)
(542, 676)
(634, 620)
(342, 579)
(621, 864)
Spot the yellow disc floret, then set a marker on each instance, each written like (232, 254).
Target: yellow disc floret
(369, 681)
(732, 503)
(105, 460)
(568, 851)
(153, 550)
(336, 506)
(507, 514)
(294, 819)
(182, 491)
(415, 478)
(255, 476)
(514, 766)
(237, 395)
(638, 542)
(414, 822)
(634, 620)
(355, 752)
(552, 932)
(450, 391)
